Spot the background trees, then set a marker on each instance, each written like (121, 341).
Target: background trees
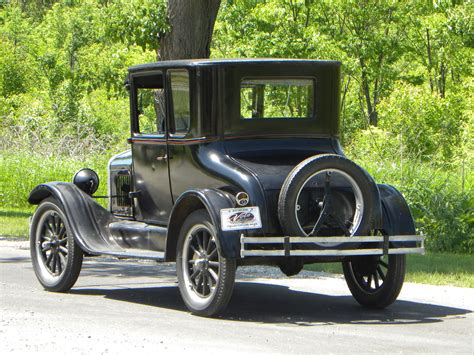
(406, 105)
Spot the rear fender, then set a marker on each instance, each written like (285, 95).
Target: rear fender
(213, 201)
(377, 216)
(397, 218)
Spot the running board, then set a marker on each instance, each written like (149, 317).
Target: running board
(136, 254)
(284, 246)
(134, 240)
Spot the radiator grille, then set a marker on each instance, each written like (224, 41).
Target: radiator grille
(123, 183)
(121, 201)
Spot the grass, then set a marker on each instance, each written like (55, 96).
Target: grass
(432, 268)
(14, 222)
(20, 173)
(441, 269)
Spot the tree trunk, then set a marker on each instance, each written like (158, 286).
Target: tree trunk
(442, 80)
(192, 24)
(430, 62)
(371, 110)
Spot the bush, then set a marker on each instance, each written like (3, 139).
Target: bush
(442, 210)
(441, 198)
(425, 126)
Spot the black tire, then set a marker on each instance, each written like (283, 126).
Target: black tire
(56, 258)
(331, 165)
(205, 277)
(366, 283)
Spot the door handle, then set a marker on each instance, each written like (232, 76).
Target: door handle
(163, 158)
(134, 194)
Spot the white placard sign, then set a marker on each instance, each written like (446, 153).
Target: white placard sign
(240, 218)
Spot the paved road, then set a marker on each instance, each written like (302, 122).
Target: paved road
(131, 307)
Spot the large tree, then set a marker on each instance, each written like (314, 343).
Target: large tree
(175, 29)
(191, 26)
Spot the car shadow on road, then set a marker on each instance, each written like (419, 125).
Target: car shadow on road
(265, 303)
(275, 304)
(252, 301)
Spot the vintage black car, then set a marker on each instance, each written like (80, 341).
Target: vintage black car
(232, 162)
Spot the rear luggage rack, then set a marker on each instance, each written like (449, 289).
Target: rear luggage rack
(290, 246)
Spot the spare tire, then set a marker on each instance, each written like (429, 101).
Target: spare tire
(328, 195)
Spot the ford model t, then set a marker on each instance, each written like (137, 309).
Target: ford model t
(232, 162)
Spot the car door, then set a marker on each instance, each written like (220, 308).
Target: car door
(152, 196)
(185, 174)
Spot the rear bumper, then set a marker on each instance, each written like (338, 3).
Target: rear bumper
(314, 246)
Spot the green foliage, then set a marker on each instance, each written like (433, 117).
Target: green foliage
(271, 29)
(423, 126)
(15, 51)
(140, 22)
(61, 79)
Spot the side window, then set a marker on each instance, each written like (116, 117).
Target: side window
(180, 99)
(150, 110)
(150, 106)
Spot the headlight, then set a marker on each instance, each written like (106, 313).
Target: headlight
(87, 180)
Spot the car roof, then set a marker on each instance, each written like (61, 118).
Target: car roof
(229, 62)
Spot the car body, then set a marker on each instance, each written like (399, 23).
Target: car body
(232, 162)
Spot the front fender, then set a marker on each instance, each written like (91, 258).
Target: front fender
(213, 200)
(87, 219)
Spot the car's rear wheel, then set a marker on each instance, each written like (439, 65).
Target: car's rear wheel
(57, 259)
(375, 281)
(205, 277)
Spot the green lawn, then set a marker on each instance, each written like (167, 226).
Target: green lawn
(432, 268)
(14, 222)
(441, 269)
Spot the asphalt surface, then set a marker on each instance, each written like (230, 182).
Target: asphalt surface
(135, 307)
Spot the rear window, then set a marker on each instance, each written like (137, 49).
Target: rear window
(277, 98)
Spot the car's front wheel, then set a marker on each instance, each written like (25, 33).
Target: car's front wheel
(205, 277)
(57, 259)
